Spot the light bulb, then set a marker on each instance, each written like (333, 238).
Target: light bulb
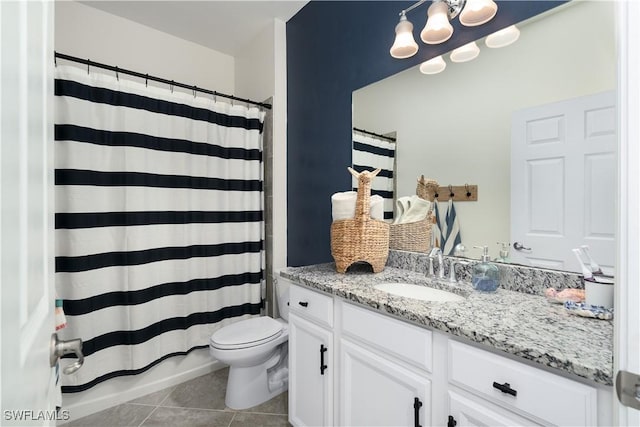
(477, 12)
(465, 53)
(438, 29)
(404, 45)
(503, 38)
(433, 66)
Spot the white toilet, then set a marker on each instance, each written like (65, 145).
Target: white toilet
(257, 354)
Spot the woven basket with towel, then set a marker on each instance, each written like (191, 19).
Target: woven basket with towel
(415, 236)
(360, 238)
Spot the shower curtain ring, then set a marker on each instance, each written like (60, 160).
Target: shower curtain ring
(194, 90)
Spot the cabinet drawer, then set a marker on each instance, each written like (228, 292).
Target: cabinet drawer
(401, 340)
(546, 396)
(311, 305)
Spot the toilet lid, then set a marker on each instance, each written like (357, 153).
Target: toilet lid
(246, 333)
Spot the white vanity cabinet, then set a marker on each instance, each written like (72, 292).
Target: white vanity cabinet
(383, 370)
(311, 361)
(516, 390)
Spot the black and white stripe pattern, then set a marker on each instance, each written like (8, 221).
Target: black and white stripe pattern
(369, 153)
(159, 220)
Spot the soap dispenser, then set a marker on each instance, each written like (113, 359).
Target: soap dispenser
(485, 276)
(504, 252)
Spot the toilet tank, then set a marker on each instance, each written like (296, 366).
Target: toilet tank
(282, 294)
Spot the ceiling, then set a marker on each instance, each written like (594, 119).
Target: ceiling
(224, 26)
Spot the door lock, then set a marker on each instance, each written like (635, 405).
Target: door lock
(628, 389)
(58, 348)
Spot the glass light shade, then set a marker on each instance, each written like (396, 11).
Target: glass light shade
(433, 66)
(477, 12)
(437, 29)
(503, 38)
(465, 53)
(404, 45)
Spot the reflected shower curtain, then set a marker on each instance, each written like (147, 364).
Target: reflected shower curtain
(369, 153)
(159, 220)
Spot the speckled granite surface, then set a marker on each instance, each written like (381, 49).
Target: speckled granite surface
(518, 323)
(513, 277)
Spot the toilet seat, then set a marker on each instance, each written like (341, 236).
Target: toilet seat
(246, 333)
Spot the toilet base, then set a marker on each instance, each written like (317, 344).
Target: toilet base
(249, 386)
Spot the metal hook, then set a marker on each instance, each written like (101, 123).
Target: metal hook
(55, 59)
(194, 90)
(451, 194)
(435, 196)
(171, 86)
(88, 63)
(146, 80)
(117, 76)
(215, 96)
(466, 186)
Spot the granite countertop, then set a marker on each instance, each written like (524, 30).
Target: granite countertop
(517, 323)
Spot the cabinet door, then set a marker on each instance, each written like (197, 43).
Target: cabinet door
(377, 392)
(474, 412)
(310, 387)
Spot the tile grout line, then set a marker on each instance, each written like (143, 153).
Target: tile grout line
(232, 418)
(147, 417)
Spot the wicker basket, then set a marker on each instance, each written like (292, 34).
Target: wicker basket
(412, 236)
(361, 238)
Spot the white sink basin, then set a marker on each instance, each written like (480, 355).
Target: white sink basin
(423, 293)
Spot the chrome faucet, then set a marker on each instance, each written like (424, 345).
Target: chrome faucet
(436, 252)
(452, 268)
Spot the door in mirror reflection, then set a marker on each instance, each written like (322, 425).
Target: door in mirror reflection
(563, 180)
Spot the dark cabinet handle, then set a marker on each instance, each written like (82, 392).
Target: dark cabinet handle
(303, 303)
(416, 412)
(451, 422)
(505, 388)
(323, 349)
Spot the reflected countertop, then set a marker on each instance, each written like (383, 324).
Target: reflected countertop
(522, 325)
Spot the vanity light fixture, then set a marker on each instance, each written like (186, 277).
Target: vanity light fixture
(503, 37)
(433, 66)
(438, 29)
(465, 53)
(404, 45)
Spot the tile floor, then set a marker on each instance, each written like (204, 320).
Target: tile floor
(199, 402)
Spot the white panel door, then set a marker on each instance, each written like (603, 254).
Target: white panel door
(310, 386)
(26, 225)
(377, 392)
(563, 180)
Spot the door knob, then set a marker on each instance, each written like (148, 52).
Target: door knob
(59, 348)
(520, 247)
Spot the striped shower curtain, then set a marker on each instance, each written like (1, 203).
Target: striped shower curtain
(159, 220)
(369, 153)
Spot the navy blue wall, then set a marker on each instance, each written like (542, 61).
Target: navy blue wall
(334, 48)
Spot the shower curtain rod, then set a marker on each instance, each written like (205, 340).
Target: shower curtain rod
(388, 138)
(117, 70)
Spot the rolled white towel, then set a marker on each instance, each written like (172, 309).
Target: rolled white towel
(377, 207)
(418, 210)
(343, 205)
(402, 205)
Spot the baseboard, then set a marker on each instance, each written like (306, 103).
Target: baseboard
(115, 391)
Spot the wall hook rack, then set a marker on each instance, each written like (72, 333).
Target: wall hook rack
(457, 193)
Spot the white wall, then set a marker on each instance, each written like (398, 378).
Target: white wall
(455, 126)
(86, 32)
(261, 72)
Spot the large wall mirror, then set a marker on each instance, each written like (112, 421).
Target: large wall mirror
(456, 126)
